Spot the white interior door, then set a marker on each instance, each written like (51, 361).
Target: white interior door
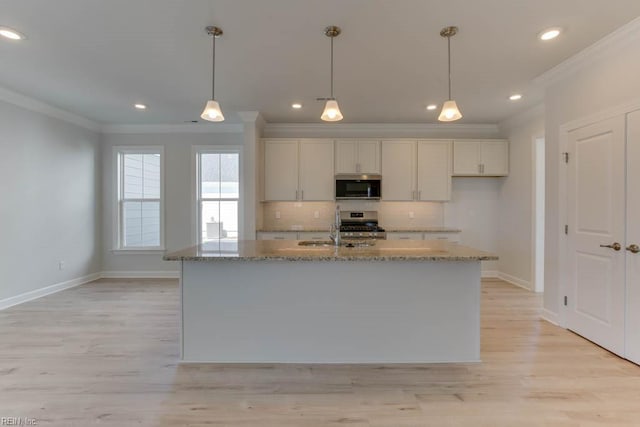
(596, 216)
(633, 238)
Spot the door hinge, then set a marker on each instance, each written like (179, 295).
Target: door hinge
(565, 300)
(566, 157)
(566, 229)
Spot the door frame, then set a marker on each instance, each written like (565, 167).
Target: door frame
(562, 170)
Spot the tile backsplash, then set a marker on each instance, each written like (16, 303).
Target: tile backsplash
(319, 215)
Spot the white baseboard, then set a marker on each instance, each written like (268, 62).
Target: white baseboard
(515, 280)
(489, 274)
(47, 290)
(549, 316)
(140, 275)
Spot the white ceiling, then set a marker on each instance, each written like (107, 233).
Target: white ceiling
(96, 58)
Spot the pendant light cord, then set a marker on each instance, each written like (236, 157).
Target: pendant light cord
(449, 51)
(331, 67)
(213, 69)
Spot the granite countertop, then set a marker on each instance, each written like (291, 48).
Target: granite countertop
(389, 230)
(382, 250)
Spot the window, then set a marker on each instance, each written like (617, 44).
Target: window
(140, 204)
(218, 194)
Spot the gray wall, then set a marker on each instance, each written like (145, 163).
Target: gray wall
(178, 204)
(49, 201)
(515, 206)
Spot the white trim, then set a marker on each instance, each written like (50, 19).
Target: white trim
(626, 35)
(143, 251)
(600, 116)
(524, 284)
(47, 290)
(116, 229)
(182, 128)
(379, 130)
(196, 150)
(489, 274)
(167, 274)
(37, 106)
(549, 316)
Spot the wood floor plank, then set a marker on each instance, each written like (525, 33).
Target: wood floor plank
(106, 354)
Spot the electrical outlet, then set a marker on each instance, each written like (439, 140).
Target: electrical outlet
(316, 214)
(411, 215)
(60, 265)
(277, 214)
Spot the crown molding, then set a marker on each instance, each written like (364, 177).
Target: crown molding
(613, 42)
(182, 128)
(379, 130)
(37, 106)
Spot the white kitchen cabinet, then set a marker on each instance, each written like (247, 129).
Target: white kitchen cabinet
(277, 235)
(281, 170)
(416, 170)
(298, 170)
(316, 170)
(398, 170)
(433, 171)
(481, 158)
(357, 156)
(404, 235)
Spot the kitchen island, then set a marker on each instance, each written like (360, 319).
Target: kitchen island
(279, 302)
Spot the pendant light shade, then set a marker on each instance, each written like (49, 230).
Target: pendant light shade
(450, 111)
(212, 111)
(331, 111)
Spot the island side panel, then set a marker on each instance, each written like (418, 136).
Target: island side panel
(331, 312)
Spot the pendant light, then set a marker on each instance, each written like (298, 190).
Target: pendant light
(331, 111)
(450, 111)
(212, 111)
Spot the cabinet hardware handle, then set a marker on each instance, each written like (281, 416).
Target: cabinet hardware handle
(615, 246)
(479, 168)
(301, 194)
(634, 249)
(419, 194)
(278, 238)
(482, 167)
(296, 194)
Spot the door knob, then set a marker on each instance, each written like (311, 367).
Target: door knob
(615, 246)
(634, 249)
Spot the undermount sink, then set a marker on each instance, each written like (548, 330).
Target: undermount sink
(345, 243)
(315, 243)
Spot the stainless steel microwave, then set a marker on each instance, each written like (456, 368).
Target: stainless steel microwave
(358, 187)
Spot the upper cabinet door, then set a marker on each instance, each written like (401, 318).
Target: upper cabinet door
(466, 158)
(481, 158)
(495, 158)
(398, 170)
(368, 157)
(346, 156)
(316, 169)
(434, 170)
(281, 170)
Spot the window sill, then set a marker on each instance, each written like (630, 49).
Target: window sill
(142, 251)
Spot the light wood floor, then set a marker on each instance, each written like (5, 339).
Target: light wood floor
(105, 354)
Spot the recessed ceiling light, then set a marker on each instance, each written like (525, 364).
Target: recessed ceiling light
(296, 106)
(515, 97)
(140, 106)
(10, 33)
(549, 34)
(432, 107)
